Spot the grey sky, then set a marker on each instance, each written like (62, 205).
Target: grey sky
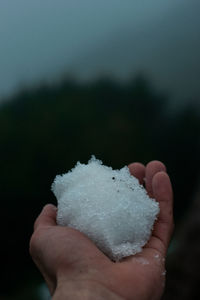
(41, 40)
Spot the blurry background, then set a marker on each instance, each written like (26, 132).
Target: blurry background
(117, 79)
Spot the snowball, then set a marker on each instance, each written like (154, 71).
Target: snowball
(109, 206)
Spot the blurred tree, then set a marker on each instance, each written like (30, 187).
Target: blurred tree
(183, 263)
(45, 130)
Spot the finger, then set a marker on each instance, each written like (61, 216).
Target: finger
(163, 228)
(151, 169)
(138, 171)
(47, 217)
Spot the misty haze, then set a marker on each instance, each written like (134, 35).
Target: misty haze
(42, 41)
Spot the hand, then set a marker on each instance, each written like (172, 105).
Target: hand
(74, 268)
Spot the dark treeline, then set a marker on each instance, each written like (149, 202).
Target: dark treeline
(46, 130)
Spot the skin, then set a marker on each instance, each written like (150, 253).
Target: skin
(74, 268)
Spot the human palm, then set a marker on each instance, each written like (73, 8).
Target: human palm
(70, 262)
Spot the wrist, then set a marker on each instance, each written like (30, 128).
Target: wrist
(84, 291)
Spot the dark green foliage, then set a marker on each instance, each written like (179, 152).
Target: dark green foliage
(45, 131)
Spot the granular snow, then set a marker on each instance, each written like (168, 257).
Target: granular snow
(109, 206)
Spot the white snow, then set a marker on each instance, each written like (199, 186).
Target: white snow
(109, 206)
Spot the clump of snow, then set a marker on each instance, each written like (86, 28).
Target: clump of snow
(157, 256)
(109, 206)
(142, 261)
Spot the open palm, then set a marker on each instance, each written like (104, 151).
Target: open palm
(71, 263)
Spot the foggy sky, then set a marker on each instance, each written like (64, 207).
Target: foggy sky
(41, 40)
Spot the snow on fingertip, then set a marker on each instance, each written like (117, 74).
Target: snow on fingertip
(109, 206)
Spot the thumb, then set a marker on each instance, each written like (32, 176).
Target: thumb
(47, 217)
